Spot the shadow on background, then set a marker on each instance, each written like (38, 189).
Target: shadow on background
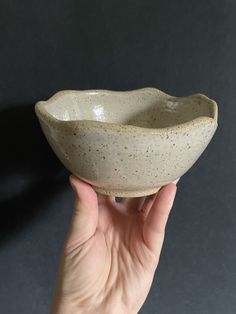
(30, 172)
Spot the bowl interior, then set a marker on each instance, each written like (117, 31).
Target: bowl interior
(143, 109)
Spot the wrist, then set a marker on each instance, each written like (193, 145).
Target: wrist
(63, 308)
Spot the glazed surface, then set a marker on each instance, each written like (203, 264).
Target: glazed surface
(143, 108)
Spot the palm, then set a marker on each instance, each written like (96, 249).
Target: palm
(131, 264)
(113, 263)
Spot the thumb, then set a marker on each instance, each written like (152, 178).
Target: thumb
(85, 212)
(154, 226)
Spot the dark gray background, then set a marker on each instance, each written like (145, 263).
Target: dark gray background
(181, 47)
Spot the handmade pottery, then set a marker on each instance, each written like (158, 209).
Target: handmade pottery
(130, 143)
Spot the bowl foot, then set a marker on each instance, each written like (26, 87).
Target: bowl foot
(122, 193)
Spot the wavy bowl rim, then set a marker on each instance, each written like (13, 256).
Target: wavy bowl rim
(44, 115)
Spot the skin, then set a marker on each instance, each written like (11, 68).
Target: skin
(111, 251)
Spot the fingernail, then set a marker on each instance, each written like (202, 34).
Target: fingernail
(176, 181)
(71, 178)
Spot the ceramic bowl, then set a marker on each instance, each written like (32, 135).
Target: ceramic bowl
(129, 143)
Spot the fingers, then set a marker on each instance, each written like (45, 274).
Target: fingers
(102, 199)
(133, 204)
(85, 213)
(155, 223)
(149, 200)
(142, 204)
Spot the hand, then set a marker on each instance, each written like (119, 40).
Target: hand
(111, 251)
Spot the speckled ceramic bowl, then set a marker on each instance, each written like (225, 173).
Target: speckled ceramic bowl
(128, 143)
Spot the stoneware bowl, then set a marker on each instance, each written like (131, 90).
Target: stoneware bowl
(130, 143)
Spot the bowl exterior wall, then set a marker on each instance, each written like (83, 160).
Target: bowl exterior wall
(128, 161)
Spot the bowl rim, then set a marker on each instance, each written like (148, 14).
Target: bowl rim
(42, 113)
